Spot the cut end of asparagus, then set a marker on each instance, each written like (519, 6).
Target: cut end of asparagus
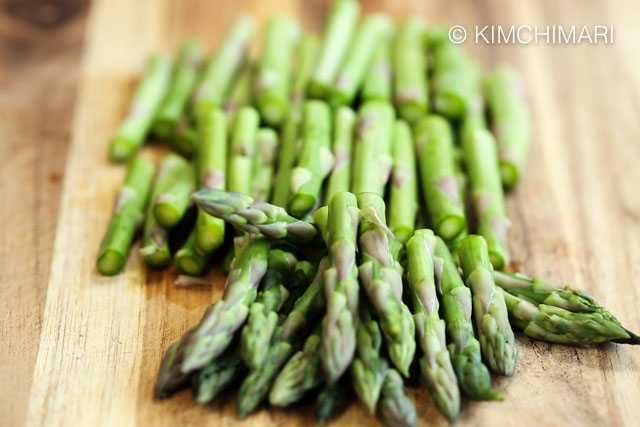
(411, 110)
(186, 264)
(163, 128)
(403, 233)
(209, 242)
(154, 258)
(317, 90)
(497, 260)
(449, 104)
(509, 174)
(451, 226)
(166, 215)
(120, 149)
(273, 111)
(301, 205)
(110, 262)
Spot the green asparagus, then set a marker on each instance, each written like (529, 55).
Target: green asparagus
(190, 259)
(133, 130)
(410, 91)
(217, 376)
(332, 400)
(170, 376)
(127, 216)
(264, 163)
(378, 85)
(395, 408)
(242, 147)
(241, 93)
(172, 202)
(491, 317)
(340, 178)
(184, 137)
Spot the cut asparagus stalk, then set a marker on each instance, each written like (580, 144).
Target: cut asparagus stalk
(241, 93)
(242, 148)
(190, 259)
(395, 408)
(216, 329)
(127, 216)
(133, 130)
(217, 376)
(381, 276)
(264, 163)
(172, 202)
(464, 348)
(490, 311)
(338, 32)
(288, 152)
(435, 364)
(410, 90)
(184, 137)
(184, 79)
(487, 195)
(510, 122)
(272, 82)
(403, 201)
(434, 144)
(371, 33)
(340, 178)
(378, 84)
(221, 70)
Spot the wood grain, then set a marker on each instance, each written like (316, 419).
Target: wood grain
(84, 349)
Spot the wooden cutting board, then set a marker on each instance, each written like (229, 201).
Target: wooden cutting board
(576, 217)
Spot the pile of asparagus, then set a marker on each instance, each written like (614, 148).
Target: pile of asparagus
(337, 180)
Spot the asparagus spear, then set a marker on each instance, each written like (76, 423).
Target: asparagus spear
(172, 202)
(403, 201)
(410, 91)
(134, 128)
(170, 377)
(332, 400)
(301, 373)
(264, 162)
(242, 148)
(377, 84)
(274, 222)
(481, 160)
(316, 159)
(217, 376)
(369, 368)
(434, 143)
(272, 83)
(337, 36)
(256, 385)
(127, 216)
(184, 137)
(341, 286)
(372, 148)
(371, 33)
(510, 122)
(240, 94)
(190, 259)
(464, 348)
(263, 313)
(455, 81)
(224, 66)
(381, 276)
(184, 79)
(287, 155)
(215, 331)
(492, 321)
(340, 178)
(395, 408)
(301, 277)
(548, 295)
(435, 365)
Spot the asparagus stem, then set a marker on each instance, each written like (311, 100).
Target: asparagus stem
(395, 408)
(372, 149)
(301, 277)
(272, 83)
(593, 323)
(340, 178)
(127, 216)
(170, 377)
(133, 130)
(381, 276)
(378, 85)
(434, 143)
(371, 33)
(172, 201)
(263, 313)
(410, 90)
(215, 331)
(190, 258)
(300, 374)
(332, 400)
(316, 159)
(435, 365)
(183, 81)
(255, 386)
(217, 376)
(492, 321)
(264, 163)
(403, 201)
(341, 286)
(486, 190)
(338, 32)
(464, 348)
(287, 154)
(224, 66)
(368, 369)
(242, 148)
(510, 122)
(241, 93)
(184, 137)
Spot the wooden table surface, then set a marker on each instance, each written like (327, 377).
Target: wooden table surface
(80, 349)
